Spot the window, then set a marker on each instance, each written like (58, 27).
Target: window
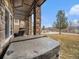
(11, 25)
(6, 24)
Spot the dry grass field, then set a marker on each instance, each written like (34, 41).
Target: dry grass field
(69, 45)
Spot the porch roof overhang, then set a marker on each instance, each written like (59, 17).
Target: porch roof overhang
(23, 8)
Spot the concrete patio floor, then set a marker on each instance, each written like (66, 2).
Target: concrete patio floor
(30, 47)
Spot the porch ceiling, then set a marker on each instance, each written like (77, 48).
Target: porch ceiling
(23, 8)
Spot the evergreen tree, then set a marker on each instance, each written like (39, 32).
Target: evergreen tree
(43, 28)
(61, 21)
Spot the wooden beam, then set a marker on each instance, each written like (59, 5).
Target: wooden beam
(19, 10)
(19, 14)
(32, 6)
(42, 3)
(27, 4)
(18, 5)
(30, 9)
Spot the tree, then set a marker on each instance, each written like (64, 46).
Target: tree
(43, 28)
(61, 21)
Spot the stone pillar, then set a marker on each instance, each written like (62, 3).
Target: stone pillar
(27, 25)
(37, 20)
(30, 25)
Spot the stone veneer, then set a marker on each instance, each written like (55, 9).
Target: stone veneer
(2, 27)
(27, 25)
(3, 7)
(37, 20)
(2, 24)
(30, 25)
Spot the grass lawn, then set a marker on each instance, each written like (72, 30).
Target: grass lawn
(69, 45)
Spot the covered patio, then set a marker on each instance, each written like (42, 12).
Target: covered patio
(32, 45)
(23, 10)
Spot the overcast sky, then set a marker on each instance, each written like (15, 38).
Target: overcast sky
(51, 7)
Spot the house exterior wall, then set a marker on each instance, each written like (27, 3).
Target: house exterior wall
(2, 24)
(5, 5)
(16, 25)
(26, 24)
